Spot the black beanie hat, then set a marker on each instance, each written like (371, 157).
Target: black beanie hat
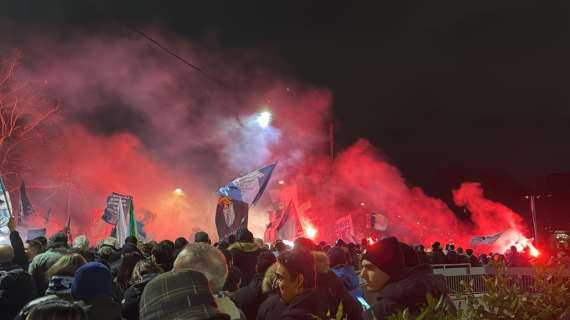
(386, 255)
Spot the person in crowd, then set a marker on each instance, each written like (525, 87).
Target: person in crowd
(250, 297)
(32, 249)
(202, 237)
(396, 287)
(234, 274)
(93, 289)
(472, 259)
(422, 255)
(143, 273)
(437, 255)
(104, 255)
(332, 291)
(211, 262)
(245, 253)
(272, 306)
(179, 244)
(16, 286)
(259, 242)
(279, 248)
(231, 239)
(123, 279)
(44, 241)
(296, 282)
(62, 274)
(17, 245)
(484, 259)
(132, 240)
(162, 255)
(41, 263)
(57, 309)
(25, 311)
(179, 294)
(451, 255)
(344, 271)
(515, 259)
(81, 243)
(410, 256)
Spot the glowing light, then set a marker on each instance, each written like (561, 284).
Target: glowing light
(281, 182)
(533, 251)
(362, 204)
(178, 192)
(311, 232)
(264, 119)
(370, 240)
(288, 243)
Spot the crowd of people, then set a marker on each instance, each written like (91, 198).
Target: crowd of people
(238, 278)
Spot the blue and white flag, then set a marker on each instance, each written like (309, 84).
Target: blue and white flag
(248, 188)
(5, 205)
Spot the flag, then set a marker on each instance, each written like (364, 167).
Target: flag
(121, 227)
(67, 228)
(231, 215)
(5, 205)
(47, 216)
(248, 188)
(344, 229)
(485, 240)
(26, 207)
(112, 210)
(285, 225)
(133, 232)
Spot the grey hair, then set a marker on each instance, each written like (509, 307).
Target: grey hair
(6, 253)
(206, 259)
(81, 242)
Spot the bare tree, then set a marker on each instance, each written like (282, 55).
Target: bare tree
(24, 117)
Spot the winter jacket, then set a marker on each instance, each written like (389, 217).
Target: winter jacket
(271, 308)
(333, 294)
(250, 297)
(132, 297)
(16, 289)
(405, 290)
(307, 305)
(101, 307)
(233, 280)
(245, 258)
(350, 279)
(40, 265)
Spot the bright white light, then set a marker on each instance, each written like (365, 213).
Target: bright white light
(311, 232)
(178, 192)
(362, 204)
(264, 119)
(281, 182)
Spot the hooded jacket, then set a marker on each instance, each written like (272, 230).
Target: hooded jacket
(407, 289)
(132, 297)
(16, 289)
(245, 258)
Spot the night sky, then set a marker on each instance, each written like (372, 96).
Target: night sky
(448, 91)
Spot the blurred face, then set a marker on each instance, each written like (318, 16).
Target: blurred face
(31, 252)
(375, 278)
(289, 287)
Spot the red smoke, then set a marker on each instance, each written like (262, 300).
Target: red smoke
(136, 121)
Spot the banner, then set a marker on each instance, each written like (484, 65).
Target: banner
(248, 188)
(345, 229)
(485, 240)
(231, 215)
(26, 207)
(111, 212)
(5, 205)
(285, 224)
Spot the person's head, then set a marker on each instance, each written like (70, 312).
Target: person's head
(132, 240)
(264, 260)
(436, 246)
(460, 250)
(337, 256)
(43, 240)
(202, 237)
(295, 273)
(469, 252)
(6, 253)
(105, 253)
(58, 240)
(81, 243)
(244, 235)
(144, 267)
(56, 309)
(127, 265)
(180, 242)
(128, 247)
(321, 262)
(206, 259)
(92, 280)
(420, 249)
(304, 244)
(410, 256)
(111, 241)
(380, 261)
(178, 294)
(162, 255)
(451, 247)
(280, 246)
(167, 243)
(32, 248)
(66, 265)
(259, 242)
(514, 249)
